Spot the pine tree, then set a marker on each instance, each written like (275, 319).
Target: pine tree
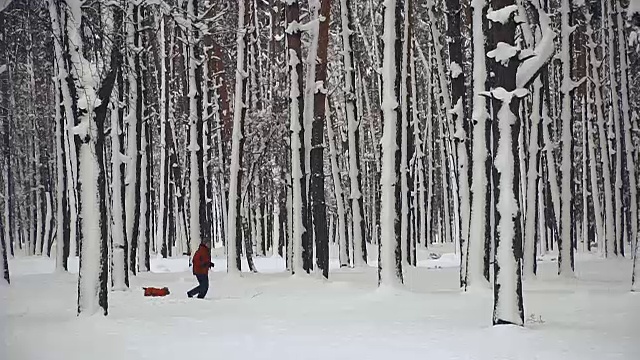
(508, 305)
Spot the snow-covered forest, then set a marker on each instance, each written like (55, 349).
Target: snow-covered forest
(354, 163)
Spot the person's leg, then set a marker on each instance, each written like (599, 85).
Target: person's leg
(204, 285)
(195, 290)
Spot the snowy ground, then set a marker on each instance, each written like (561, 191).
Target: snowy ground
(271, 315)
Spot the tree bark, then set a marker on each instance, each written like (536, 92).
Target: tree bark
(508, 305)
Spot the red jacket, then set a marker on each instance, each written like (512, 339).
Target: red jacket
(202, 260)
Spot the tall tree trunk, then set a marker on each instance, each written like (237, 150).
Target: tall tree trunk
(119, 263)
(165, 132)
(405, 156)
(316, 183)
(4, 263)
(353, 126)
(6, 234)
(628, 173)
(594, 74)
(134, 132)
(144, 239)
(296, 120)
(341, 227)
(507, 268)
(389, 250)
(460, 120)
(234, 233)
(91, 114)
(567, 223)
(607, 237)
(197, 203)
(612, 28)
(63, 232)
(531, 227)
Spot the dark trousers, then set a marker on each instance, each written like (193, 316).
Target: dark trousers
(202, 288)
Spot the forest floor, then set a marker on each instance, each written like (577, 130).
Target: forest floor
(271, 315)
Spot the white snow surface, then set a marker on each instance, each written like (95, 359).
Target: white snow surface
(272, 315)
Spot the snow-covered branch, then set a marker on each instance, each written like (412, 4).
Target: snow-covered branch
(543, 51)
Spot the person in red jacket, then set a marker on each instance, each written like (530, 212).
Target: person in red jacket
(201, 265)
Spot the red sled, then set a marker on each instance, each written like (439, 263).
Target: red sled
(151, 291)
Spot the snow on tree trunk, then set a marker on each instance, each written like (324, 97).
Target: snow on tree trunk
(234, 232)
(445, 97)
(629, 180)
(119, 269)
(605, 247)
(134, 127)
(72, 171)
(4, 235)
(312, 27)
(37, 191)
(195, 130)
(4, 263)
(421, 181)
(65, 220)
(635, 277)
(404, 134)
(613, 242)
(552, 177)
(531, 225)
(222, 107)
(296, 120)
(48, 220)
(390, 251)
(460, 121)
(507, 269)
(428, 149)
(540, 37)
(407, 232)
(143, 242)
(353, 128)
(119, 257)
(567, 226)
(222, 188)
(417, 165)
(258, 215)
(93, 236)
(343, 256)
(597, 102)
(316, 170)
(63, 231)
(375, 144)
(165, 172)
